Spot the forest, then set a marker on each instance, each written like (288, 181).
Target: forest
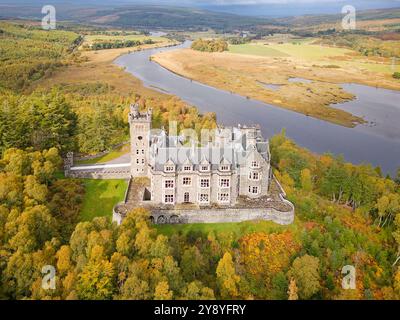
(27, 53)
(218, 45)
(100, 45)
(345, 215)
(366, 45)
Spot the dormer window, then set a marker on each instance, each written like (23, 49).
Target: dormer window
(224, 167)
(204, 165)
(169, 168)
(187, 168)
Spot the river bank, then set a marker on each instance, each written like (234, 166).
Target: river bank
(251, 75)
(378, 144)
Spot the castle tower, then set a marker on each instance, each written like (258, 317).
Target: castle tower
(140, 126)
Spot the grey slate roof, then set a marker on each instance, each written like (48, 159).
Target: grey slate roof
(170, 148)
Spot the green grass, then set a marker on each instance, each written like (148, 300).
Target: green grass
(100, 197)
(256, 50)
(237, 229)
(114, 154)
(377, 67)
(310, 51)
(302, 51)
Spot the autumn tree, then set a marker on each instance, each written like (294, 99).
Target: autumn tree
(162, 291)
(96, 281)
(292, 291)
(306, 181)
(227, 278)
(197, 291)
(305, 271)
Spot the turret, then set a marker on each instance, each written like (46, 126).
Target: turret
(140, 127)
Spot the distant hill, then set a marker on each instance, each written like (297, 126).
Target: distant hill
(375, 14)
(178, 18)
(140, 16)
(171, 18)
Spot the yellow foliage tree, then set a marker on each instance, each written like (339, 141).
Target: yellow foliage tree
(227, 278)
(162, 291)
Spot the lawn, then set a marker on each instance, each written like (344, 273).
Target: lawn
(237, 229)
(100, 197)
(114, 154)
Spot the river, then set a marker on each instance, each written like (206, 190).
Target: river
(377, 142)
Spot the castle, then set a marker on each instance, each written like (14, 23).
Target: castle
(225, 176)
(235, 163)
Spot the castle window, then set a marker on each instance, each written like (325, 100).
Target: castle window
(169, 184)
(187, 168)
(142, 161)
(169, 198)
(203, 198)
(204, 183)
(224, 183)
(204, 168)
(186, 198)
(142, 151)
(254, 176)
(137, 151)
(253, 190)
(187, 181)
(223, 197)
(140, 137)
(255, 164)
(169, 168)
(225, 167)
(137, 161)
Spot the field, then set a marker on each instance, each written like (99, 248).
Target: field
(307, 51)
(100, 197)
(248, 70)
(97, 66)
(257, 50)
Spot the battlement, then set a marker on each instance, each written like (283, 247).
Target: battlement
(136, 116)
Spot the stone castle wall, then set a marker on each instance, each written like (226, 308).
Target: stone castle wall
(213, 215)
(217, 215)
(100, 174)
(95, 173)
